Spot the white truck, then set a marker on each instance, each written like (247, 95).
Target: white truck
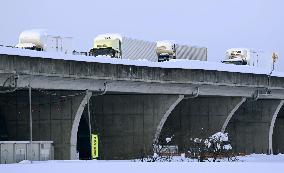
(245, 56)
(108, 45)
(117, 46)
(167, 50)
(41, 40)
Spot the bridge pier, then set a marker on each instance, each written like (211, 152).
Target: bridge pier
(54, 114)
(276, 133)
(127, 124)
(251, 128)
(75, 125)
(198, 118)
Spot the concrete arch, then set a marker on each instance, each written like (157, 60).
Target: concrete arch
(272, 124)
(251, 127)
(165, 117)
(75, 125)
(198, 118)
(127, 123)
(231, 114)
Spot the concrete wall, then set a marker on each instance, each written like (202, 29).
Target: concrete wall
(249, 127)
(93, 70)
(53, 117)
(126, 124)
(197, 118)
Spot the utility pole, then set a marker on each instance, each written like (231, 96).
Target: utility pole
(274, 58)
(31, 122)
(89, 120)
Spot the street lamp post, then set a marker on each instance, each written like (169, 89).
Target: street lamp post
(31, 121)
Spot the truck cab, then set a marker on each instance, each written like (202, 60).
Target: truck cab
(32, 39)
(238, 56)
(107, 45)
(165, 50)
(42, 40)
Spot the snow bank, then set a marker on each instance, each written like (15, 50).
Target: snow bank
(142, 167)
(179, 64)
(261, 158)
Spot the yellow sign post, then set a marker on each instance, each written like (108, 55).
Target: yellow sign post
(95, 146)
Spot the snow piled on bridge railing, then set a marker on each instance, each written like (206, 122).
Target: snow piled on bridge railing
(176, 64)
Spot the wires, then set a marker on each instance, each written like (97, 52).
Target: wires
(103, 92)
(194, 95)
(13, 79)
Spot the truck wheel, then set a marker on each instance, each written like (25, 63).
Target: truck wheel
(116, 55)
(113, 54)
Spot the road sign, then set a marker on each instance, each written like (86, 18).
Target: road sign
(95, 146)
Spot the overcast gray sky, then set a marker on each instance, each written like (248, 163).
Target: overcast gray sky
(215, 24)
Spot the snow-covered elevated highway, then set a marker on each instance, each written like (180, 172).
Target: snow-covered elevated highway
(46, 70)
(135, 103)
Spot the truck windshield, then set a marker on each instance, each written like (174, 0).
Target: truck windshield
(34, 48)
(235, 62)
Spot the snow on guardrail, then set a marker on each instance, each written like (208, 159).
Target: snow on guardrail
(175, 63)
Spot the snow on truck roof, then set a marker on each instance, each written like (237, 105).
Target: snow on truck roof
(41, 32)
(108, 35)
(238, 48)
(246, 49)
(164, 42)
(177, 64)
(33, 33)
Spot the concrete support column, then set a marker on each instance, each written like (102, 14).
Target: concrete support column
(75, 125)
(276, 135)
(198, 118)
(55, 118)
(127, 124)
(232, 112)
(65, 113)
(165, 117)
(251, 128)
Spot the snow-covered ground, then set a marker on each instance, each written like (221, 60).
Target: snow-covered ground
(248, 158)
(182, 64)
(262, 158)
(252, 163)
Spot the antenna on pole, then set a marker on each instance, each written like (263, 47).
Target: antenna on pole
(274, 59)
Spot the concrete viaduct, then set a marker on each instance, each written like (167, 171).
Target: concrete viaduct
(132, 107)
